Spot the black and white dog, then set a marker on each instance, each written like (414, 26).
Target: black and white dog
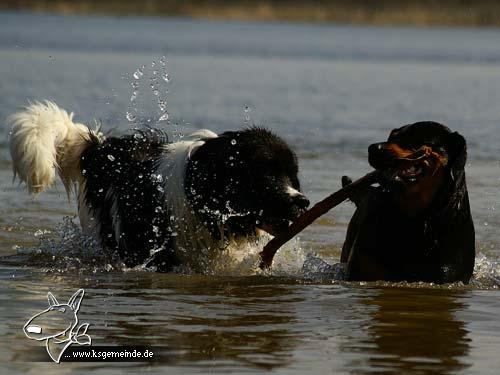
(156, 202)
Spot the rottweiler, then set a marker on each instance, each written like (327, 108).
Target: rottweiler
(416, 225)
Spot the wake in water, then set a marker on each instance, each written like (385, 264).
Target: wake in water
(66, 249)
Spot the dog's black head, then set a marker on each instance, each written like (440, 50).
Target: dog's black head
(417, 161)
(248, 179)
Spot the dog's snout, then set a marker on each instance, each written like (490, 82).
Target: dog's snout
(301, 201)
(376, 148)
(33, 328)
(378, 155)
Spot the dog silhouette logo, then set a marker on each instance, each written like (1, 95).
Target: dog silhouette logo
(58, 326)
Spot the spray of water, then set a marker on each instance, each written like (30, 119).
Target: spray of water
(66, 249)
(153, 78)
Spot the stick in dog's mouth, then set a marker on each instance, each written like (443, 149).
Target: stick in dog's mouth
(410, 168)
(308, 217)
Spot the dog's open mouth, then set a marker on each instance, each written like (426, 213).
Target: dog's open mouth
(409, 172)
(408, 169)
(404, 173)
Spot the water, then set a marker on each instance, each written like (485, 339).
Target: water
(330, 91)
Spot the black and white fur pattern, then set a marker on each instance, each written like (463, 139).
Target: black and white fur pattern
(161, 203)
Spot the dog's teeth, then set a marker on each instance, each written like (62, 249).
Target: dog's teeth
(411, 171)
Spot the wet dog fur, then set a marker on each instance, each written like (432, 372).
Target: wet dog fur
(417, 225)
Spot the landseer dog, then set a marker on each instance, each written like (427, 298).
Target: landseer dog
(156, 202)
(417, 225)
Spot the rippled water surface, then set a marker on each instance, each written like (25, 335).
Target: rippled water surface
(330, 92)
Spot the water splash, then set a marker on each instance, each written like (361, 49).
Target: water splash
(139, 72)
(486, 272)
(66, 249)
(164, 117)
(241, 258)
(156, 77)
(315, 268)
(130, 116)
(246, 115)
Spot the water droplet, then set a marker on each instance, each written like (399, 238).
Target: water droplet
(111, 157)
(133, 96)
(155, 229)
(233, 142)
(130, 116)
(101, 190)
(40, 232)
(138, 73)
(166, 77)
(246, 114)
(158, 209)
(156, 92)
(164, 117)
(162, 104)
(140, 175)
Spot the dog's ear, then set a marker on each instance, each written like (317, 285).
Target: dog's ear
(394, 133)
(457, 153)
(76, 299)
(52, 300)
(397, 132)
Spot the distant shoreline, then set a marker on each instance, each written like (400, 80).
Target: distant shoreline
(362, 12)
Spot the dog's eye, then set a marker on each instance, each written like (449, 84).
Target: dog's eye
(62, 309)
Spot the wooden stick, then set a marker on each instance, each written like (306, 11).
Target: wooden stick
(320, 208)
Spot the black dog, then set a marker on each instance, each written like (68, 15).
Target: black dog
(161, 203)
(417, 225)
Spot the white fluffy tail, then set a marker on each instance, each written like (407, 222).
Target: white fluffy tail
(45, 138)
